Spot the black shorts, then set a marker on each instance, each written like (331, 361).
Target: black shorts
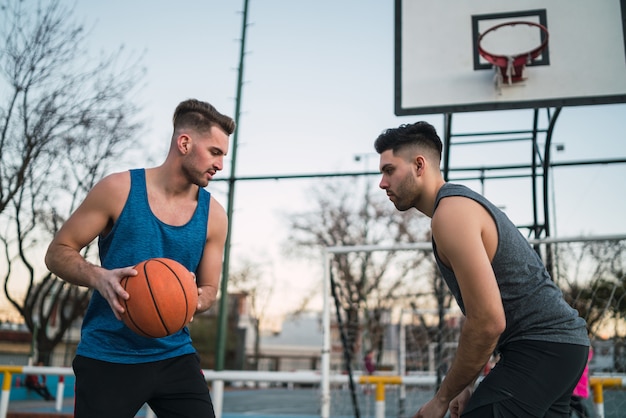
(532, 379)
(173, 388)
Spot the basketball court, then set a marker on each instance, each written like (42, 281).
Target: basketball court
(454, 56)
(286, 403)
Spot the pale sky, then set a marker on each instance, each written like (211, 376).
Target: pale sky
(319, 88)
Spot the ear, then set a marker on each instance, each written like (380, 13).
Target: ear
(184, 143)
(420, 164)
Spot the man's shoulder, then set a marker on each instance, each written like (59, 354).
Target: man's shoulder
(119, 176)
(110, 192)
(217, 213)
(118, 181)
(455, 189)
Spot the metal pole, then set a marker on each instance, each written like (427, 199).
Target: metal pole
(325, 372)
(447, 142)
(402, 365)
(223, 303)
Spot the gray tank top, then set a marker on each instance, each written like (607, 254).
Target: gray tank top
(533, 304)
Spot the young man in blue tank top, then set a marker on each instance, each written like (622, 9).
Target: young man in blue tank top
(139, 214)
(510, 303)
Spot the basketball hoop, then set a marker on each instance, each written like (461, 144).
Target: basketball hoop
(511, 66)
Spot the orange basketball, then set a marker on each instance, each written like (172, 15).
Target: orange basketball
(163, 298)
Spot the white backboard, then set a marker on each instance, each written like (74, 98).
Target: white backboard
(438, 68)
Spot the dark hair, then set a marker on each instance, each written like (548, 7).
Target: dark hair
(201, 116)
(420, 134)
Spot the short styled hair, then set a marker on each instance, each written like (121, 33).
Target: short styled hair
(200, 116)
(419, 134)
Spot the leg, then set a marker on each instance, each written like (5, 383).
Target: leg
(182, 391)
(577, 406)
(46, 393)
(42, 391)
(532, 379)
(105, 390)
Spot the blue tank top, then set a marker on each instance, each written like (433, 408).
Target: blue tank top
(136, 236)
(533, 304)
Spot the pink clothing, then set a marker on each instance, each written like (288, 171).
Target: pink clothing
(369, 363)
(582, 388)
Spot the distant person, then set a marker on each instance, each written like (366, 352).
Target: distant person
(510, 303)
(581, 392)
(38, 384)
(163, 211)
(370, 367)
(368, 360)
(493, 360)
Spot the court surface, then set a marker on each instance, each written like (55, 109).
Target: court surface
(305, 403)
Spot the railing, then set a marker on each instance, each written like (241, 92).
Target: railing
(598, 383)
(9, 371)
(305, 377)
(217, 378)
(380, 382)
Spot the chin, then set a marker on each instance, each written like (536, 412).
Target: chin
(201, 181)
(402, 208)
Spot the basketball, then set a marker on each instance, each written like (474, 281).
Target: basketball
(163, 298)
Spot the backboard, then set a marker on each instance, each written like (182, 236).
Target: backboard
(438, 68)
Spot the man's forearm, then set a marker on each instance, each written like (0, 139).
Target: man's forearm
(70, 266)
(475, 347)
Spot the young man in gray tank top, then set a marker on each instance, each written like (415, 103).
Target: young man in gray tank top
(510, 303)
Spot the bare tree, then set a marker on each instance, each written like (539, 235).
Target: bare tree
(593, 278)
(257, 284)
(368, 284)
(65, 117)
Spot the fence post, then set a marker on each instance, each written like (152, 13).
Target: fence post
(598, 399)
(6, 393)
(218, 397)
(380, 400)
(60, 393)
(597, 384)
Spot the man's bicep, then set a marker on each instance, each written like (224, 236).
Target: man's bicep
(459, 241)
(457, 234)
(210, 267)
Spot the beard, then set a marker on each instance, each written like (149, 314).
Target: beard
(193, 175)
(406, 194)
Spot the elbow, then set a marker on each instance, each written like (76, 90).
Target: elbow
(498, 327)
(48, 259)
(51, 258)
(489, 328)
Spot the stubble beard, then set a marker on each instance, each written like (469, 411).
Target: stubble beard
(194, 176)
(406, 194)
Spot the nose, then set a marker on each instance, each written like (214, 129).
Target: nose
(383, 184)
(219, 163)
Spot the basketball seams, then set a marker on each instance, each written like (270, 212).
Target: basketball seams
(182, 287)
(136, 327)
